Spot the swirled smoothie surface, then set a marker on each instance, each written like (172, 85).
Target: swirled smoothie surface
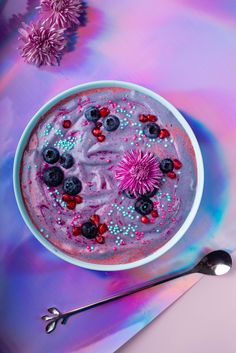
(108, 176)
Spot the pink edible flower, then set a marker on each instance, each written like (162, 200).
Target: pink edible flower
(62, 13)
(41, 44)
(138, 172)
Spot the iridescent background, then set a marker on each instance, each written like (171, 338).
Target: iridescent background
(184, 50)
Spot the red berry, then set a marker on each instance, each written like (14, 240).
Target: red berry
(66, 124)
(177, 164)
(71, 205)
(78, 199)
(143, 118)
(100, 239)
(95, 219)
(98, 124)
(164, 133)
(66, 198)
(152, 118)
(102, 228)
(144, 219)
(154, 214)
(96, 131)
(101, 138)
(171, 175)
(104, 112)
(76, 231)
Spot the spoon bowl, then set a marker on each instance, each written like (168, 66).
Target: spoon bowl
(216, 263)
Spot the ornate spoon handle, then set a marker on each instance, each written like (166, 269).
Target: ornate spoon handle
(63, 317)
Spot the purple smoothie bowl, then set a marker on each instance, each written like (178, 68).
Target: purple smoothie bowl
(128, 238)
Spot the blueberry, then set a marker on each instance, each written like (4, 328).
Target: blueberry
(151, 130)
(50, 155)
(150, 193)
(72, 186)
(92, 114)
(143, 205)
(128, 194)
(89, 230)
(53, 176)
(111, 123)
(166, 165)
(66, 160)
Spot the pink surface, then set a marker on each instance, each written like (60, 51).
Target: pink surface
(202, 320)
(183, 50)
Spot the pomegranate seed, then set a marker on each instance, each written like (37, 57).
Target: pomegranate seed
(78, 199)
(98, 124)
(154, 214)
(152, 118)
(101, 138)
(76, 231)
(71, 205)
(96, 131)
(171, 175)
(104, 112)
(102, 228)
(164, 133)
(66, 198)
(143, 118)
(100, 239)
(177, 164)
(66, 124)
(144, 219)
(95, 219)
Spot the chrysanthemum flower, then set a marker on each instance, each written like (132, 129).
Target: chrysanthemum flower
(138, 172)
(62, 13)
(41, 44)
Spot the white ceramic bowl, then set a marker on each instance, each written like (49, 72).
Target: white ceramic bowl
(21, 147)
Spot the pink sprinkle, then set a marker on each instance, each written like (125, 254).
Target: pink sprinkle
(108, 160)
(136, 232)
(163, 217)
(152, 220)
(124, 99)
(98, 106)
(114, 248)
(110, 101)
(59, 212)
(134, 137)
(161, 223)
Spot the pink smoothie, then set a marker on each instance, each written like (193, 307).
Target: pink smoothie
(123, 234)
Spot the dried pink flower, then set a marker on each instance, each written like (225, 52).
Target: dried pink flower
(42, 44)
(138, 172)
(62, 13)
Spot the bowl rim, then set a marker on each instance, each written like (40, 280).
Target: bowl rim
(24, 139)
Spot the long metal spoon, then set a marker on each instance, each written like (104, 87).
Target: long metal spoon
(215, 263)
